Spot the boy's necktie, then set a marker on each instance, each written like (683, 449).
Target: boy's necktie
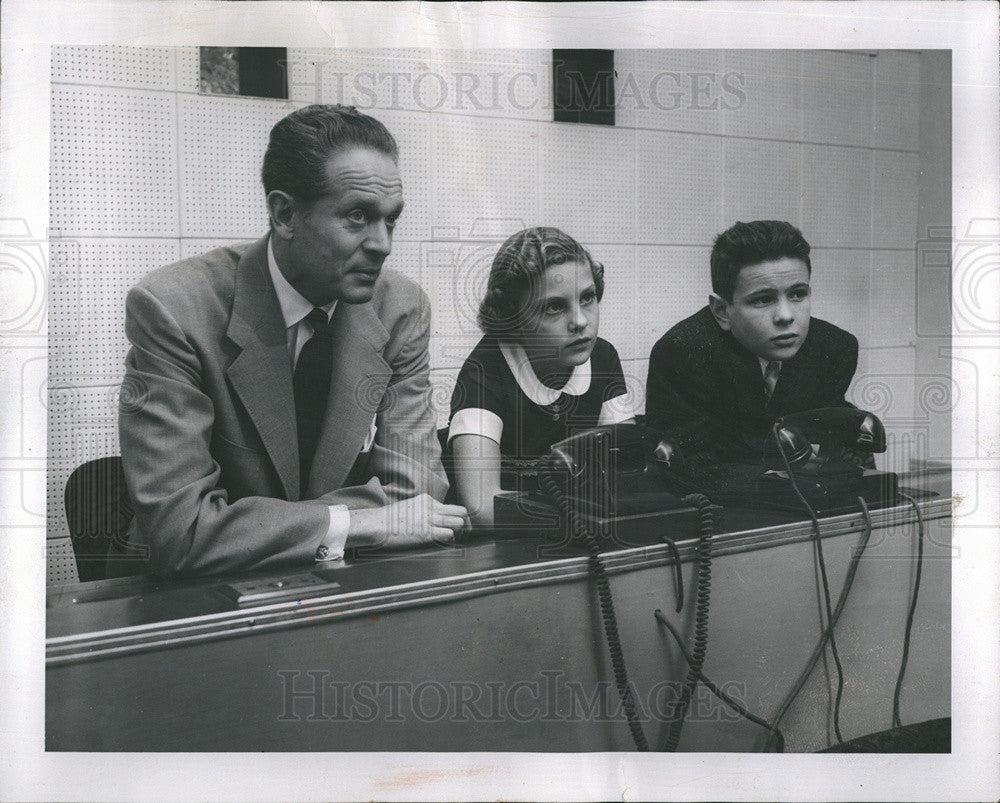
(771, 377)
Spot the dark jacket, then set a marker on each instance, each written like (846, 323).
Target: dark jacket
(707, 393)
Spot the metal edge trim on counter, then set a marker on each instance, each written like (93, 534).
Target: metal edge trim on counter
(62, 650)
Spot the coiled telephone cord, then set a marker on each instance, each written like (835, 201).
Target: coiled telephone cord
(702, 599)
(580, 531)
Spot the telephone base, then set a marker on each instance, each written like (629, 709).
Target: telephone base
(522, 514)
(827, 495)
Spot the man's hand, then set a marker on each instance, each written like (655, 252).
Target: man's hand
(408, 523)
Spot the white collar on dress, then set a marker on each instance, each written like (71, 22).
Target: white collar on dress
(528, 381)
(294, 306)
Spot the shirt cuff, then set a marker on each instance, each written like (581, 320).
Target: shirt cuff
(332, 547)
(616, 410)
(476, 421)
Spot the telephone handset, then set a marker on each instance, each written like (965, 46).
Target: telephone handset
(811, 447)
(619, 470)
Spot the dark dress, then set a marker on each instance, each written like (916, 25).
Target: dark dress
(511, 406)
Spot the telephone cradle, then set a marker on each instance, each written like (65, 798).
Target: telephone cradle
(523, 513)
(830, 492)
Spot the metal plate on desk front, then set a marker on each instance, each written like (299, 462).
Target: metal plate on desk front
(276, 589)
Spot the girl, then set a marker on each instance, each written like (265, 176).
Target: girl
(539, 374)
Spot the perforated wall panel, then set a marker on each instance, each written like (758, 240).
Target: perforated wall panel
(587, 182)
(188, 69)
(226, 131)
(83, 425)
(87, 336)
(771, 100)
(837, 98)
(485, 171)
(113, 162)
(114, 66)
(836, 196)
(763, 181)
(678, 188)
(60, 561)
(894, 199)
(671, 283)
(504, 84)
(897, 100)
(192, 247)
(675, 90)
(841, 285)
(893, 277)
(618, 307)
(415, 133)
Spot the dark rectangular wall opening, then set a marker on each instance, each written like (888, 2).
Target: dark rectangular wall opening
(259, 72)
(583, 85)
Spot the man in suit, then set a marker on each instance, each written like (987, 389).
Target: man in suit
(719, 379)
(277, 394)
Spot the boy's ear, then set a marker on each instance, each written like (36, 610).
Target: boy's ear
(720, 310)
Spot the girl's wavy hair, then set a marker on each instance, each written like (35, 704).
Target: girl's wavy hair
(515, 281)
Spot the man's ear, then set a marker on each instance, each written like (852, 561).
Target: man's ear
(720, 310)
(281, 210)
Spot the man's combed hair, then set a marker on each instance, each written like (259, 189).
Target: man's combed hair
(746, 244)
(301, 144)
(515, 280)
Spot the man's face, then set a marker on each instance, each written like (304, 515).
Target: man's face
(769, 313)
(340, 241)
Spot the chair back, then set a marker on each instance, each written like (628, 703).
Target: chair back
(98, 512)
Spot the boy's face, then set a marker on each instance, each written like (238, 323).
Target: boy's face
(769, 313)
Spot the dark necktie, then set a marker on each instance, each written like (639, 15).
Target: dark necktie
(311, 384)
(771, 377)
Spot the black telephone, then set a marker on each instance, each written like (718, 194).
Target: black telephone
(622, 480)
(622, 474)
(814, 447)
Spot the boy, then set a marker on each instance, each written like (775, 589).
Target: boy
(719, 379)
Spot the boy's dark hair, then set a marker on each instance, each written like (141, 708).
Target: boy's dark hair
(749, 244)
(301, 144)
(516, 276)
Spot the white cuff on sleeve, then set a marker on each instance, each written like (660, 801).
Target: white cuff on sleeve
(616, 410)
(476, 421)
(332, 547)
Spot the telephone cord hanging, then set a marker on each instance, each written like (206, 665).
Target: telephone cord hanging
(610, 621)
(703, 598)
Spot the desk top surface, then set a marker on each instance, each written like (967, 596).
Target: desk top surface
(478, 560)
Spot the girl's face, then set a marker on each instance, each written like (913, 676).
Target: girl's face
(563, 330)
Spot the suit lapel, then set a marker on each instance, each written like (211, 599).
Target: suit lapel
(748, 382)
(794, 381)
(261, 374)
(360, 377)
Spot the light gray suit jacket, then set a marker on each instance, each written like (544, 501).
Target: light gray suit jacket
(207, 415)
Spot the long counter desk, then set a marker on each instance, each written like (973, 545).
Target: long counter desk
(497, 644)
